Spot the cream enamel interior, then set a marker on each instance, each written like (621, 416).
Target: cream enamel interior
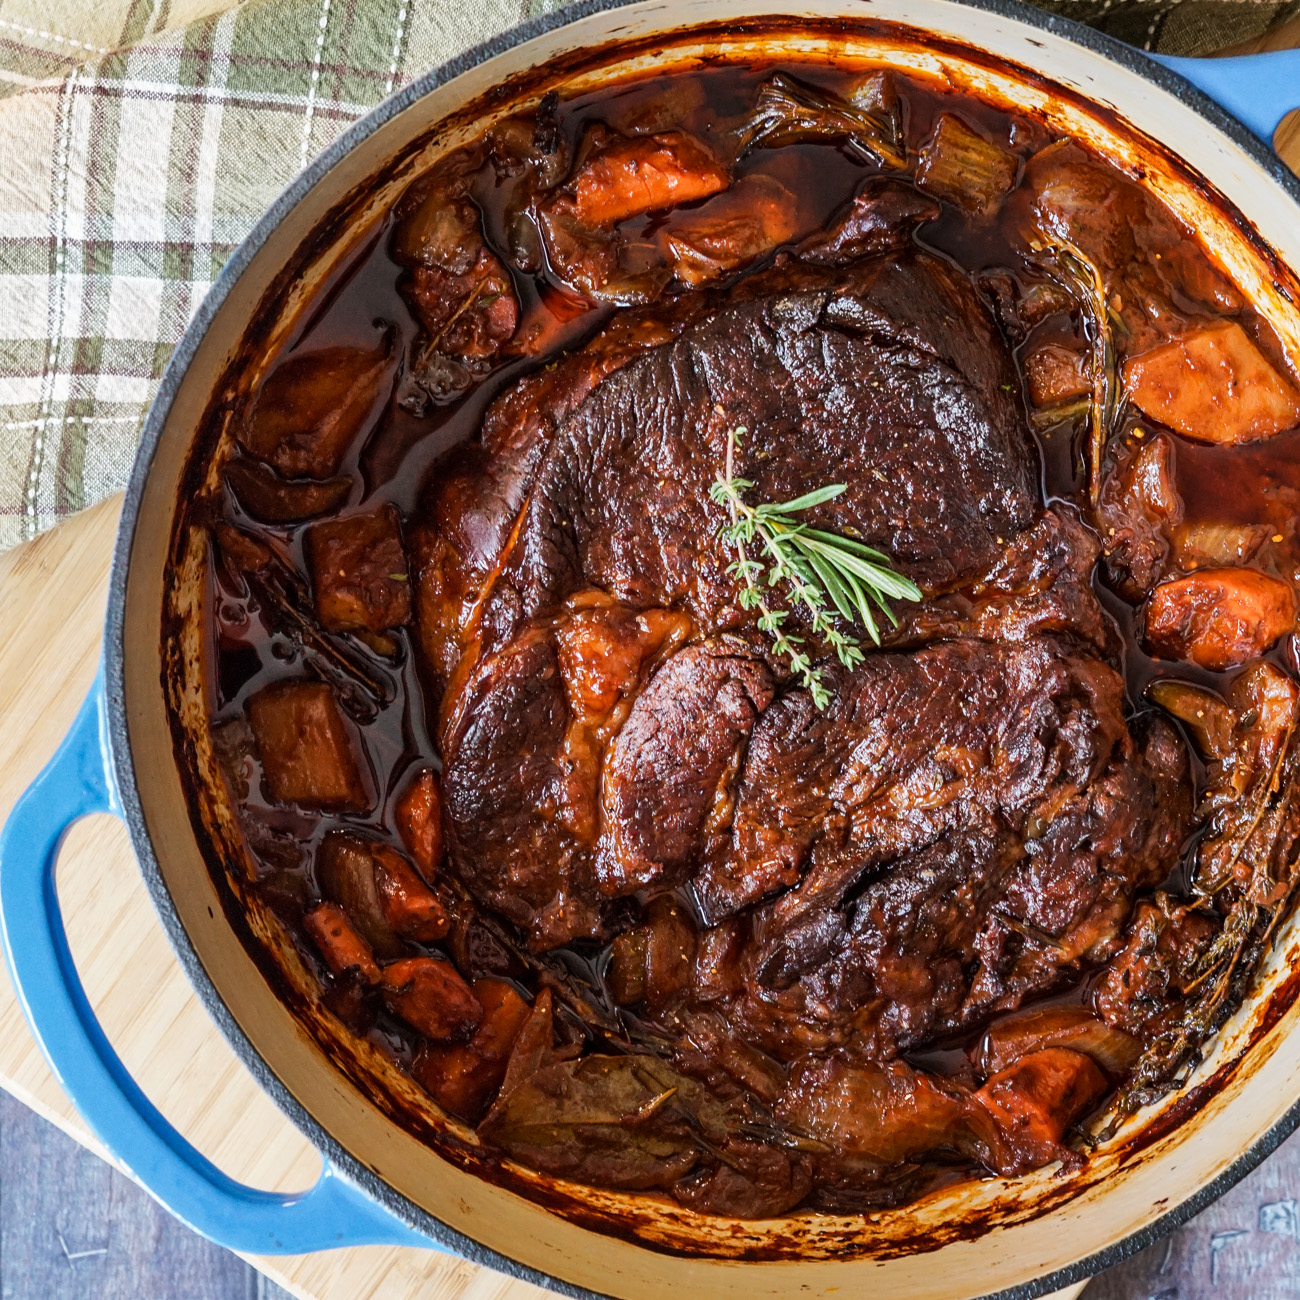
(1041, 1223)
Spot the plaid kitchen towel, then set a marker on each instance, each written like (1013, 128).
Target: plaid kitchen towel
(141, 139)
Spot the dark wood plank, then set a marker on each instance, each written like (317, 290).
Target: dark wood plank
(72, 1228)
(1246, 1246)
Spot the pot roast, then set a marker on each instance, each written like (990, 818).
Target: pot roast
(651, 859)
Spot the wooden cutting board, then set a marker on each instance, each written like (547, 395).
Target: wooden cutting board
(52, 594)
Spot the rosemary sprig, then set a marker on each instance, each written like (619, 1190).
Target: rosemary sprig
(832, 577)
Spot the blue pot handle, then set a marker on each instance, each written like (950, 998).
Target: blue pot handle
(77, 781)
(1259, 90)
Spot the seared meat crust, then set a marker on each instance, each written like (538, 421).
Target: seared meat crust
(968, 820)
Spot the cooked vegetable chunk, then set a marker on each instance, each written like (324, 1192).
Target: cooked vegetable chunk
(345, 868)
(328, 927)
(719, 960)
(410, 906)
(1041, 1027)
(274, 500)
(670, 950)
(241, 553)
(359, 572)
(1055, 374)
(738, 227)
(1208, 545)
(1204, 714)
(312, 407)
(960, 165)
(623, 177)
(788, 112)
(599, 265)
(308, 754)
(234, 747)
(381, 892)
(654, 961)
(1035, 1100)
(432, 998)
(1219, 618)
(419, 822)
(1214, 384)
(626, 974)
(463, 1077)
(881, 217)
(645, 174)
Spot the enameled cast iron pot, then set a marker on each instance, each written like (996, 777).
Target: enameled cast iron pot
(140, 741)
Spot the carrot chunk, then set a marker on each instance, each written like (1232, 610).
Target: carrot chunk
(1214, 384)
(345, 870)
(1219, 618)
(340, 945)
(432, 998)
(462, 1077)
(419, 822)
(307, 751)
(643, 174)
(411, 908)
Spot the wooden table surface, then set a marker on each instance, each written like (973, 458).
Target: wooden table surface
(52, 591)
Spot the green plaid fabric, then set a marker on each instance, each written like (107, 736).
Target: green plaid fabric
(141, 139)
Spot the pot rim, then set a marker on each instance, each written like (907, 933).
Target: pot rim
(343, 1162)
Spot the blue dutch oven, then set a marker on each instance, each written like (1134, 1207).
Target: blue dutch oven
(136, 749)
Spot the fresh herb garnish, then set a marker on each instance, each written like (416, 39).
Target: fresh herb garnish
(831, 576)
(1085, 283)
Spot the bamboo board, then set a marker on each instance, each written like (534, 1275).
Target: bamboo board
(52, 594)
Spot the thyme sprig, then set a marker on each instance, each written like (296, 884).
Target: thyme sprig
(1071, 267)
(832, 577)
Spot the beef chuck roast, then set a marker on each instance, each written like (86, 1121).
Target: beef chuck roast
(887, 376)
(968, 820)
(960, 827)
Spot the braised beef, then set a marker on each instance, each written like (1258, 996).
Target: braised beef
(888, 375)
(652, 898)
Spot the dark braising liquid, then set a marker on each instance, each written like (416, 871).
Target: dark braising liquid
(399, 456)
